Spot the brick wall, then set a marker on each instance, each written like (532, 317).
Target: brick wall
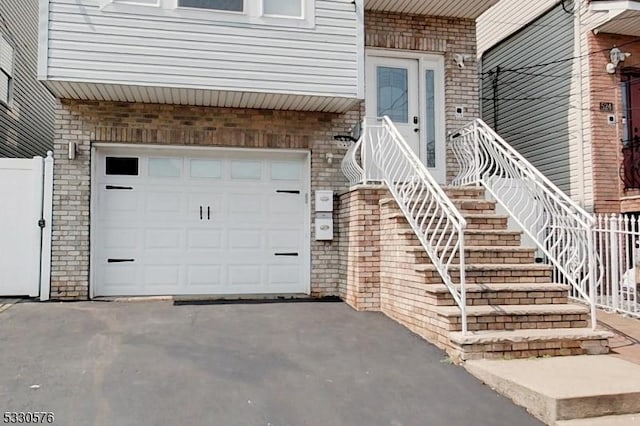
(359, 231)
(609, 194)
(135, 123)
(85, 122)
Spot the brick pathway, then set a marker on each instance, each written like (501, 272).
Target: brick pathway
(626, 344)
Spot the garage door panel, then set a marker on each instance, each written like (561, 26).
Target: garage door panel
(204, 239)
(204, 275)
(163, 239)
(244, 239)
(284, 239)
(116, 203)
(163, 205)
(161, 275)
(120, 238)
(283, 275)
(245, 275)
(121, 276)
(287, 204)
(230, 249)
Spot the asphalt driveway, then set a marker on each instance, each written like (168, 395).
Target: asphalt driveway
(153, 363)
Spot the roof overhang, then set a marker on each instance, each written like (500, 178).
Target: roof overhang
(622, 17)
(469, 9)
(79, 90)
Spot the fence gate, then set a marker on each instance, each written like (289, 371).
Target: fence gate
(25, 226)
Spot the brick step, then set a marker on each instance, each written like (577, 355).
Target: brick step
(481, 254)
(464, 192)
(490, 273)
(503, 294)
(476, 237)
(464, 205)
(473, 206)
(474, 221)
(530, 343)
(515, 317)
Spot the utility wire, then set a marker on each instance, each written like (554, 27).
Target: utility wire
(559, 61)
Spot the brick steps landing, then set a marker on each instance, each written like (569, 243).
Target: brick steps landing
(514, 310)
(503, 294)
(482, 254)
(530, 343)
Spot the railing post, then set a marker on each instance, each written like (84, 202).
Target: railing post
(615, 262)
(364, 151)
(476, 153)
(592, 275)
(463, 287)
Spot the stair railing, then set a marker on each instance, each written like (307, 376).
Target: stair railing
(561, 229)
(387, 158)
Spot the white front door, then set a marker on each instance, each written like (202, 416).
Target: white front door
(203, 222)
(410, 91)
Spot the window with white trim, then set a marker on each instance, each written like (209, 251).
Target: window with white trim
(283, 13)
(288, 8)
(226, 5)
(6, 70)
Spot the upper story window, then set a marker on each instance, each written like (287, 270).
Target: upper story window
(288, 8)
(228, 5)
(6, 70)
(285, 13)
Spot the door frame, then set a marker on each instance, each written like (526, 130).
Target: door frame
(436, 62)
(137, 148)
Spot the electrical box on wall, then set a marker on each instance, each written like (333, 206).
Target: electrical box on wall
(324, 201)
(324, 227)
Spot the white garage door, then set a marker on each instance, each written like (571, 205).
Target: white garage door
(171, 222)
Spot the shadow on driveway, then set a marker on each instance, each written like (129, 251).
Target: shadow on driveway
(261, 364)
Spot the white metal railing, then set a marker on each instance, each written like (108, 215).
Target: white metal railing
(383, 155)
(562, 230)
(351, 165)
(617, 240)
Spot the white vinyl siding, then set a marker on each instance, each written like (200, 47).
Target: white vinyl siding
(147, 46)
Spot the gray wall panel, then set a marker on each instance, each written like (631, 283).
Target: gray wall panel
(26, 126)
(532, 109)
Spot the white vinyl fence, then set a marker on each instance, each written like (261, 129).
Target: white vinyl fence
(617, 242)
(26, 187)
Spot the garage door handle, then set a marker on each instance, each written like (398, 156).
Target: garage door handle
(120, 260)
(200, 212)
(119, 187)
(208, 212)
(287, 191)
(286, 254)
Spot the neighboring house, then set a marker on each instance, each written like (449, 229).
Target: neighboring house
(192, 135)
(561, 83)
(26, 106)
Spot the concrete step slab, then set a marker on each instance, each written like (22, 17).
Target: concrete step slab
(500, 310)
(565, 388)
(622, 420)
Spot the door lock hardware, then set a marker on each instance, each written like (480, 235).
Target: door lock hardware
(415, 119)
